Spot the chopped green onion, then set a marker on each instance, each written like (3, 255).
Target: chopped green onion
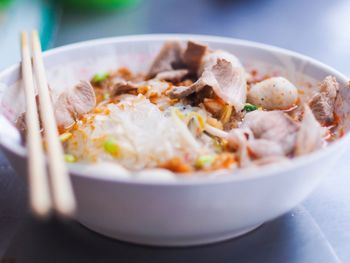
(111, 146)
(249, 107)
(65, 136)
(205, 161)
(70, 158)
(106, 96)
(99, 77)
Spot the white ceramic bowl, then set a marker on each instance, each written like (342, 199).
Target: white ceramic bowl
(182, 212)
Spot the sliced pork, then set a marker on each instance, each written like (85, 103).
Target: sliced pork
(193, 55)
(211, 58)
(73, 103)
(273, 126)
(225, 78)
(179, 92)
(169, 58)
(122, 86)
(238, 141)
(270, 160)
(224, 73)
(322, 104)
(173, 76)
(310, 135)
(261, 148)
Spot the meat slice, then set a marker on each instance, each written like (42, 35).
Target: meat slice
(82, 97)
(64, 112)
(172, 75)
(169, 58)
(322, 104)
(211, 58)
(238, 140)
(270, 160)
(330, 87)
(73, 103)
(224, 74)
(228, 83)
(193, 55)
(273, 126)
(323, 107)
(179, 92)
(310, 134)
(251, 151)
(121, 86)
(21, 125)
(261, 148)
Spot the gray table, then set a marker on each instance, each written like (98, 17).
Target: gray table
(316, 231)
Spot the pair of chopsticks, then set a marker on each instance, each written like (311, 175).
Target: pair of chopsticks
(57, 193)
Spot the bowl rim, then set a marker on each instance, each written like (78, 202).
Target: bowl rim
(230, 175)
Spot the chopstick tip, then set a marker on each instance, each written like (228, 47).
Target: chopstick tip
(35, 33)
(36, 45)
(41, 209)
(66, 210)
(24, 38)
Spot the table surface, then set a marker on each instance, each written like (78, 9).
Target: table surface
(318, 230)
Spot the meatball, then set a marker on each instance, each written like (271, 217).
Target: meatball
(275, 93)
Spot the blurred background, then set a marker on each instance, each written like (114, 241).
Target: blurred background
(318, 28)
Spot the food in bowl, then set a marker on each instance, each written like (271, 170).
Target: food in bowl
(195, 110)
(142, 209)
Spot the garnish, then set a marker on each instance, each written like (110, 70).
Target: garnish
(205, 161)
(111, 146)
(65, 136)
(99, 77)
(249, 107)
(70, 158)
(106, 96)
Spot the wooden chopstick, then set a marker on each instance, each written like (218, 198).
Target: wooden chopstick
(62, 191)
(39, 195)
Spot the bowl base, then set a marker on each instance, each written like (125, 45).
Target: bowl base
(170, 242)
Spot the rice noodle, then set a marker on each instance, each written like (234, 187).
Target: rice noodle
(146, 136)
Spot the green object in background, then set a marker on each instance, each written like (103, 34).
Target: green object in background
(4, 3)
(97, 4)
